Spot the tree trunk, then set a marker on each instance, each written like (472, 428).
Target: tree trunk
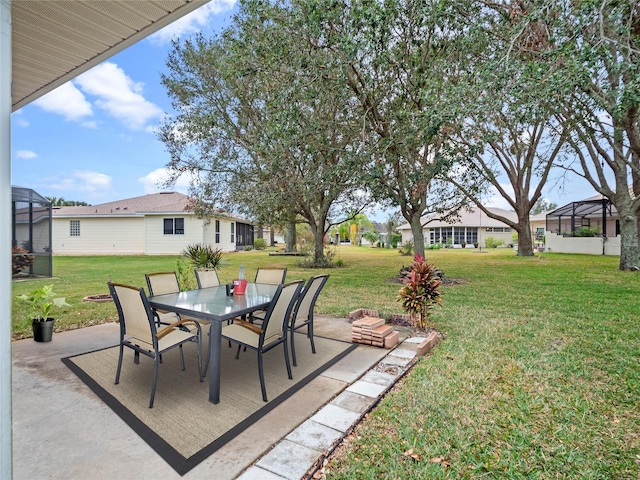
(272, 236)
(418, 235)
(628, 241)
(290, 237)
(318, 245)
(525, 242)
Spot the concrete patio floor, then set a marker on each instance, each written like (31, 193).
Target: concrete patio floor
(62, 430)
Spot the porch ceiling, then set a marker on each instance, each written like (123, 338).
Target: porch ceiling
(52, 42)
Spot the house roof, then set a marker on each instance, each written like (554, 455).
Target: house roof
(468, 218)
(163, 203)
(379, 227)
(52, 42)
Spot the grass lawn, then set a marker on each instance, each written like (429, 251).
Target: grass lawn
(538, 376)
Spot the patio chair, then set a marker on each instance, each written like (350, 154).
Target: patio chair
(160, 283)
(303, 313)
(207, 277)
(272, 276)
(139, 332)
(271, 333)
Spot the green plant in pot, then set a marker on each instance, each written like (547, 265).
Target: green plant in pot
(420, 290)
(41, 301)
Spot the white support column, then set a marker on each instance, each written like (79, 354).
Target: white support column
(5, 241)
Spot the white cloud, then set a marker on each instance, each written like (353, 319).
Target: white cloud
(87, 184)
(191, 23)
(118, 95)
(66, 100)
(26, 154)
(496, 200)
(154, 181)
(18, 120)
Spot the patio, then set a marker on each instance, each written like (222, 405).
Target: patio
(61, 429)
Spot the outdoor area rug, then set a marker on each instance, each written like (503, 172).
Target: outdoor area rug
(183, 427)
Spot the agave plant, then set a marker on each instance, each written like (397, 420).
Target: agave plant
(203, 256)
(420, 290)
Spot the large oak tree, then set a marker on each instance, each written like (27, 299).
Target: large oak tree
(261, 122)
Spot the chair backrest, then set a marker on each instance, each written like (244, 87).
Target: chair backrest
(160, 283)
(136, 318)
(308, 297)
(207, 277)
(272, 276)
(276, 319)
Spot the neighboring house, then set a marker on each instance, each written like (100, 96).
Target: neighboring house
(538, 224)
(276, 238)
(382, 230)
(596, 213)
(471, 227)
(155, 224)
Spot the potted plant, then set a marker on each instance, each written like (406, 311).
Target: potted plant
(41, 301)
(420, 290)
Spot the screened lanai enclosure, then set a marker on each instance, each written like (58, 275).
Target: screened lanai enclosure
(31, 230)
(596, 213)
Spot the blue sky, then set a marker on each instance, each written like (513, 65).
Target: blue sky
(92, 139)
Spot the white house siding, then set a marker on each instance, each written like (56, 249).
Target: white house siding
(471, 226)
(482, 235)
(99, 236)
(136, 226)
(224, 243)
(157, 243)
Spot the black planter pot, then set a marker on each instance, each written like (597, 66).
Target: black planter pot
(43, 331)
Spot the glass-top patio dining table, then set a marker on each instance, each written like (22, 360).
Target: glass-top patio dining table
(215, 305)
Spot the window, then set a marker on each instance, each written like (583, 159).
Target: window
(458, 235)
(174, 226)
(217, 231)
(74, 228)
(233, 232)
(499, 229)
(440, 234)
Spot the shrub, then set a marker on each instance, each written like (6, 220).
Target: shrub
(420, 290)
(434, 246)
(20, 259)
(339, 263)
(203, 256)
(396, 238)
(407, 248)
(259, 244)
(491, 242)
(248, 248)
(371, 236)
(585, 232)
